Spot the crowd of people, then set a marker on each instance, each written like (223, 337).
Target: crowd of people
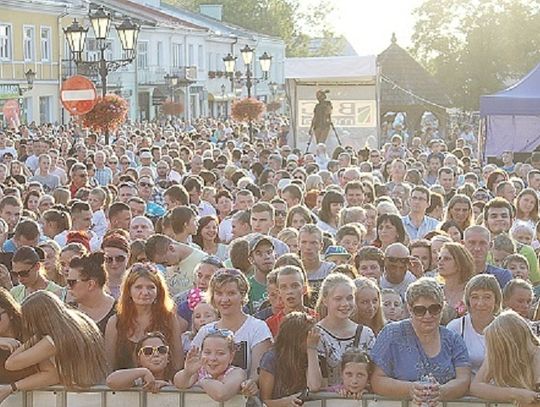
(189, 256)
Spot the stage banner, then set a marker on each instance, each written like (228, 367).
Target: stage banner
(345, 113)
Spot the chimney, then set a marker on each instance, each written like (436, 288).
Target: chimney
(214, 11)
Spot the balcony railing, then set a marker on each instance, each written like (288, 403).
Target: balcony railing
(102, 396)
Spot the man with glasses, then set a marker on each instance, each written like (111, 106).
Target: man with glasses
(145, 187)
(280, 215)
(397, 261)
(417, 224)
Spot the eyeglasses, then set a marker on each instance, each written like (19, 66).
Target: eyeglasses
(71, 282)
(154, 350)
(113, 162)
(402, 260)
(124, 162)
(281, 213)
(146, 184)
(433, 309)
(23, 273)
(115, 259)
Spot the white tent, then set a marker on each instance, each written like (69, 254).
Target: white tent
(352, 82)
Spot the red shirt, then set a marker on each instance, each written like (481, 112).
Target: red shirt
(275, 320)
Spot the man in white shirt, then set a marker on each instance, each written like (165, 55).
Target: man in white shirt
(396, 275)
(194, 186)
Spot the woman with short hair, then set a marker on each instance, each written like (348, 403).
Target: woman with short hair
(419, 349)
(483, 298)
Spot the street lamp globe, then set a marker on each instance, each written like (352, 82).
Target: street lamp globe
(128, 32)
(174, 80)
(230, 62)
(265, 61)
(76, 36)
(101, 22)
(247, 54)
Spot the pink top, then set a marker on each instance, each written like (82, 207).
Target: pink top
(203, 374)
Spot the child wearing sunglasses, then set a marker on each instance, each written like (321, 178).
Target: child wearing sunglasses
(211, 367)
(154, 370)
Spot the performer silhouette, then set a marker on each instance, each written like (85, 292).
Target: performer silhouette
(322, 117)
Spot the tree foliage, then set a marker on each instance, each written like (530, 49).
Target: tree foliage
(281, 18)
(476, 47)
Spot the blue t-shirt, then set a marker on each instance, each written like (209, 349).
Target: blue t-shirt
(503, 276)
(400, 355)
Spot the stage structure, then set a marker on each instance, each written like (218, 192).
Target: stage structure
(350, 85)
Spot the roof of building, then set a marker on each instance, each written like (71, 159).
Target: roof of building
(404, 82)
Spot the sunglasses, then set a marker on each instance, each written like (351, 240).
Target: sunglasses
(226, 333)
(402, 260)
(145, 185)
(23, 273)
(71, 282)
(154, 350)
(115, 259)
(433, 309)
(281, 213)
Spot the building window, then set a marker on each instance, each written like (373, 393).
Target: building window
(45, 109)
(200, 58)
(28, 43)
(142, 55)
(45, 43)
(211, 61)
(5, 42)
(159, 58)
(191, 55)
(177, 59)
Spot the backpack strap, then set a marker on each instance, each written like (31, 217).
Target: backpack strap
(357, 335)
(463, 327)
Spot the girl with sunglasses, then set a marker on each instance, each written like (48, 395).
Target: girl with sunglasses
(417, 358)
(116, 248)
(228, 293)
(211, 367)
(27, 269)
(154, 369)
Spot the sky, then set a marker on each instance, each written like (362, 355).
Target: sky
(369, 24)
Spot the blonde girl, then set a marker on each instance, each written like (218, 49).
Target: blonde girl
(511, 369)
(369, 310)
(66, 347)
(338, 332)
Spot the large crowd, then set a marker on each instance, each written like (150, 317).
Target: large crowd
(195, 255)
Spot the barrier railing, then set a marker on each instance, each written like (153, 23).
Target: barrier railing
(102, 396)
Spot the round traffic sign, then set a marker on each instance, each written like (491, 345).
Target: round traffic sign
(78, 95)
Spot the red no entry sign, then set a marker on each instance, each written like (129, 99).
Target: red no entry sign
(78, 95)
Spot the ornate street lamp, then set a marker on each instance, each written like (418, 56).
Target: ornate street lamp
(247, 54)
(76, 37)
(128, 32)
(101, 23)
(30, 76)
(265, 60)
(230, 63)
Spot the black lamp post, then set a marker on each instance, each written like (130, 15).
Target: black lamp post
(247, 56)
(100, 20)
(30, 76)
(171, 81)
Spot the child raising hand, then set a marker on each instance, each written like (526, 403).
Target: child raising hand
(211, 368)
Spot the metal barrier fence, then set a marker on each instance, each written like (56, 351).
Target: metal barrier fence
(102, 396)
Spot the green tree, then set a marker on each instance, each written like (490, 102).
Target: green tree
(280, 18)
(476, 47)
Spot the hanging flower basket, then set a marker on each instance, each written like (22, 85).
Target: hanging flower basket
(108, 113)
(170, 108)
(247, 109)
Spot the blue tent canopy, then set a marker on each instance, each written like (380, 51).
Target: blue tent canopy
(521, 99)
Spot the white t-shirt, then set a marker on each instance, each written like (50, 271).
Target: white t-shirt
(475, 342)
(252, 332)
(401, 288)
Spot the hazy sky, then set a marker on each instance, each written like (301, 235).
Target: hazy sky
(369, 24)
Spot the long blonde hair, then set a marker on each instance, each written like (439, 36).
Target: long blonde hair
(80, 357)
(510, 345)
(377, 323)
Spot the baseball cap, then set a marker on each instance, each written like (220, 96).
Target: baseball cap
(257, 240)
